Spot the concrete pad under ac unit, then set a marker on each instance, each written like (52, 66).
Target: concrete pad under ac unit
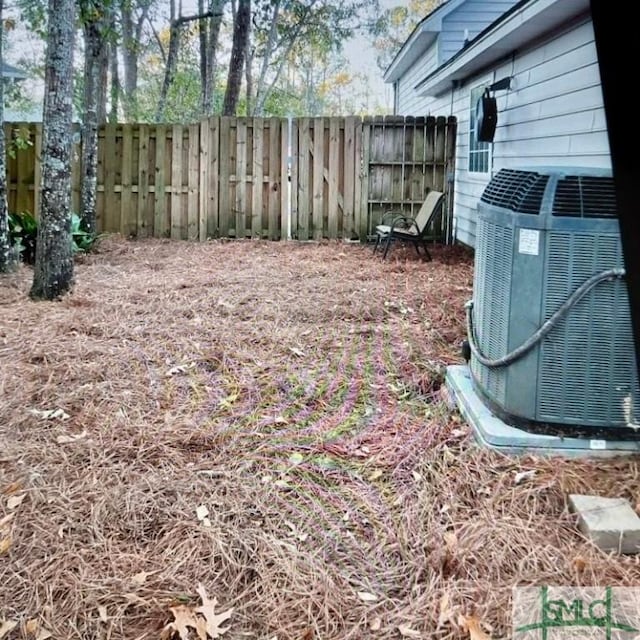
(492, 432)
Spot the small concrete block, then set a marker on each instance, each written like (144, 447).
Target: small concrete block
(610, 523)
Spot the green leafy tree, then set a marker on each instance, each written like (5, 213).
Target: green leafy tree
(283, 28)
(395, 25)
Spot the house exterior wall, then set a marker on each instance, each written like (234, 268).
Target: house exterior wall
(552, 115)
(408, 101)
(472, 15)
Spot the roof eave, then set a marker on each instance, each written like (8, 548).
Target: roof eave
(500, 39)
(420, 41)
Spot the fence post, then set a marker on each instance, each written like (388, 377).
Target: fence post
(364, 180)
(203, 179)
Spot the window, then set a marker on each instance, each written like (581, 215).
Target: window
(478, 151)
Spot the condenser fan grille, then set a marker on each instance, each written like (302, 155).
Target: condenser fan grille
(519, 191)
(585, 197)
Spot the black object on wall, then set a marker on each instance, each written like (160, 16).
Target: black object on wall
(486, 117)
(616, 42)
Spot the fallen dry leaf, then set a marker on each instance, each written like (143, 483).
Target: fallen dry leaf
(102, 613)
(375, 624)
(15, 501)
(208, 611)
(12, 488)
(446, 613)
(183, 618)
(202, 512)
(472, 625)
(181, 368)
(579, 563)
(451, 541)
(521, 476)
(6, 627)
(407, 632)
(5, 543)
(375, 475)
(71, 439)
(297, 352)
(32, 626)
(365, 596)
(6, 520)
(43, 634)
(296, 458)
(140, 578)
(50, 414)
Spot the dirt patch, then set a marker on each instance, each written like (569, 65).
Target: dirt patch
(294, 391)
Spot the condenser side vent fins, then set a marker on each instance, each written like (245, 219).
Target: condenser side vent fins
(518, 191)
(585, 197)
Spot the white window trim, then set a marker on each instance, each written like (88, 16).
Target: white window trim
(489, 149)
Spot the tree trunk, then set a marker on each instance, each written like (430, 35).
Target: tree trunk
(266, 58)
(53, 273)
(238, 51)
(172, 61)
(95, 34)
(217, 8)
(263, 90)
(7, 257)
(248, 77)
(129, 60)
(203, 38)
(115, 82)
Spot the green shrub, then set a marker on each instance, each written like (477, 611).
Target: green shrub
(23, 233)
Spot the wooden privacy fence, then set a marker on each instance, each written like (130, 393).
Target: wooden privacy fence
(304, 178)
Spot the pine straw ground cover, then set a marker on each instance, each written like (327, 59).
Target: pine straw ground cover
(266, 420)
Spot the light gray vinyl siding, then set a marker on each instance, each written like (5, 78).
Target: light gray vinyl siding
(468, 187)
(409, 102)
(473, 15)
(552, 115)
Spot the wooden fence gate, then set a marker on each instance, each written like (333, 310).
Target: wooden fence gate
(346, 172)
(305, 178)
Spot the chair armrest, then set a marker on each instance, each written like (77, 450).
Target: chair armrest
(408, 223)
(388, 214)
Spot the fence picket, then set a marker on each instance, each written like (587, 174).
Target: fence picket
(333, 177)
(203, 179)
(213, 213)
(176, 183)
(224, 162)
(241, 177)
(317, 209)
(127, 219)
(285, 197)
(274, 178)
(295, 161)
(304, 184)
(257, 185)
(142, 224)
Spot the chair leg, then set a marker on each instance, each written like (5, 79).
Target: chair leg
(424, 244)
(375, 246)
(386, 247)
(416, 245)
